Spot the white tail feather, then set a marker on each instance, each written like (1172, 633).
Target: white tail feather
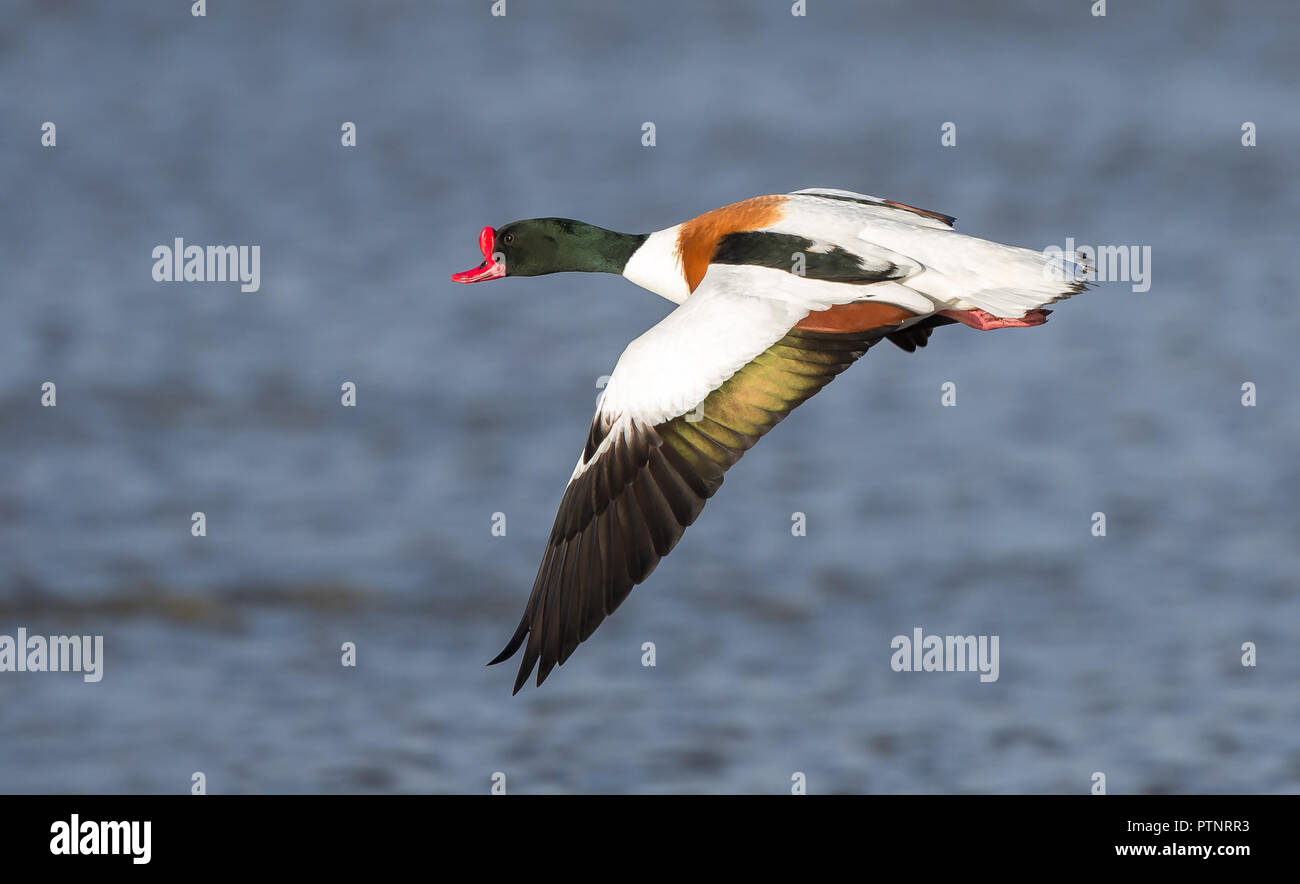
(1003, 280)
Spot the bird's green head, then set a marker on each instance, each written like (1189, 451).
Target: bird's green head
(550, 245)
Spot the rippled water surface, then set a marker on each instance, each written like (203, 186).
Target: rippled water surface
(372, 525)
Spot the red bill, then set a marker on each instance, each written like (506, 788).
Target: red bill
(489, 269)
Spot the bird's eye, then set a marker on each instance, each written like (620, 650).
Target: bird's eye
(509, 237)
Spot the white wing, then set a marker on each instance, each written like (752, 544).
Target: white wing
(736, 313)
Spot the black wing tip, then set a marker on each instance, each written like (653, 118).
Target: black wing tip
(526, 667)
(521, 678)
(526, 664)
(512, 646)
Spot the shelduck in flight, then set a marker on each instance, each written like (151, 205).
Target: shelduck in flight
(777, 295)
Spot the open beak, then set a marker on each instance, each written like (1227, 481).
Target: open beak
(489, 269)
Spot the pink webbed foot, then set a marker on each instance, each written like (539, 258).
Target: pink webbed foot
(983, 320)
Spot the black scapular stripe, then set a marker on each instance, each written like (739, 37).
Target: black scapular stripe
(781, 250)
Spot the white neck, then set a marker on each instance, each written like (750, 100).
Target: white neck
(657, 266)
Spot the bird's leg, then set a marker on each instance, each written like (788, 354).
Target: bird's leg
(983, 320)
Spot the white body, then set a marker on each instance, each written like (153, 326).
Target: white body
(945, 270)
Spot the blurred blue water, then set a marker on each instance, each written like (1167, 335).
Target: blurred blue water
(372, 524)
